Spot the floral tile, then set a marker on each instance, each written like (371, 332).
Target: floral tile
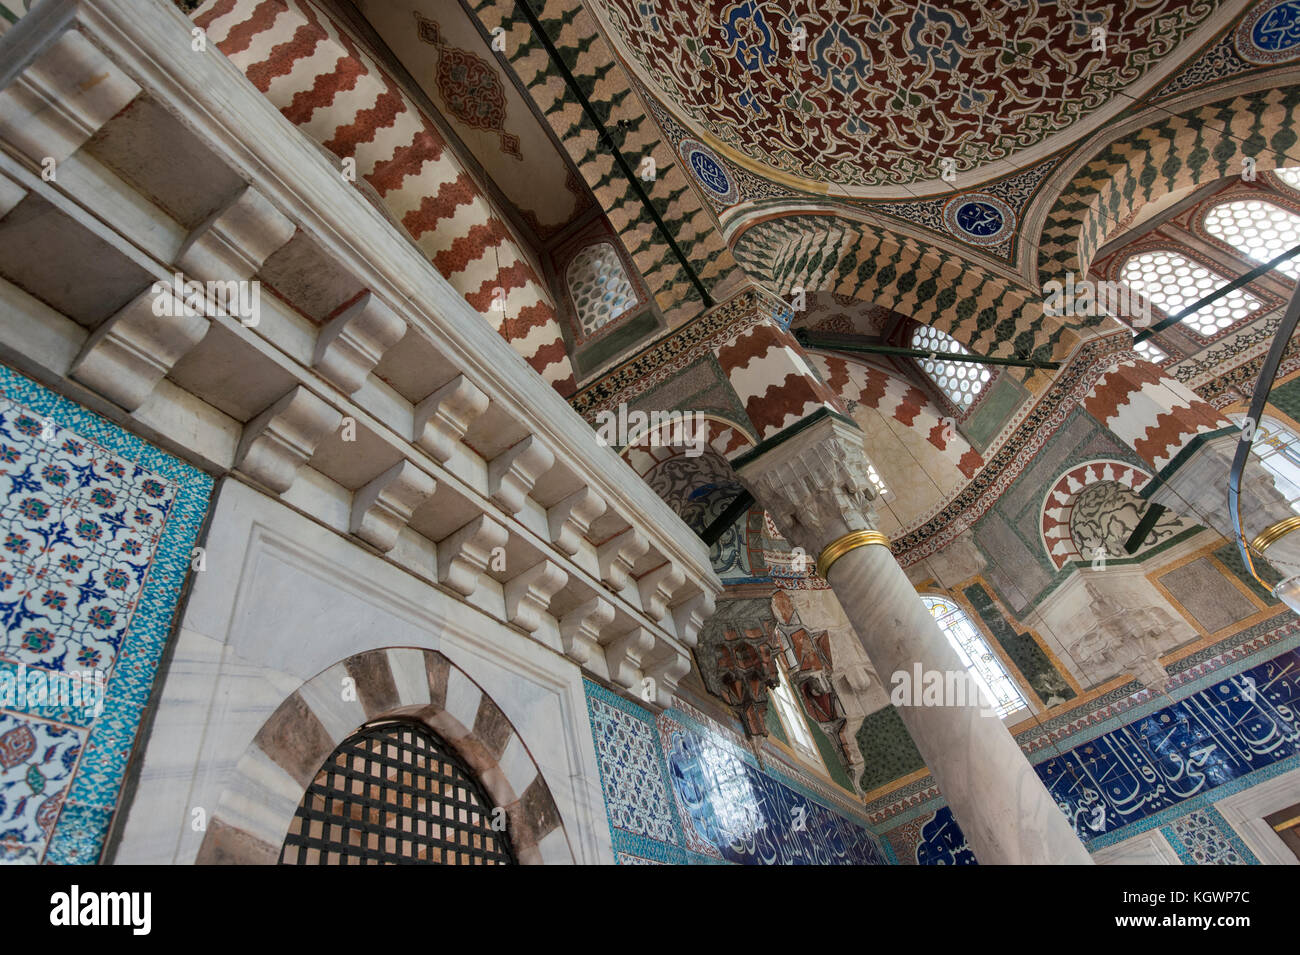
(37, 760)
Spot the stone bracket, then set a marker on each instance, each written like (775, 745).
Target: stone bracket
(384, 506)
(513, 473)
(623, 655)
(667, 670)
(65, 93)
(690, 616)
(278, 442)
(581, 627)
(529, 594)
(616, 556)
(129, 353)
(442, 419)
(657, 588)
(234, 242)
(464, 554)
(353, 342)
(570, 519)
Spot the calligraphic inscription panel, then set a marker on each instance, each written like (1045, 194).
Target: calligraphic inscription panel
(1234, 727)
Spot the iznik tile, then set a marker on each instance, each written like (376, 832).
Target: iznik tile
(1204, 837)
(96, 538)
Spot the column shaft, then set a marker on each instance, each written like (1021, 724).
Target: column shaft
(998, 800)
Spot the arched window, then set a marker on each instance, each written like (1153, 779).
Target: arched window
(599, 287)
(1278, 449)
(394, 793)
(960, 381)
(1172, 282)
(791, 715)
(980, 660)
(1258, 230)
(1289, 175)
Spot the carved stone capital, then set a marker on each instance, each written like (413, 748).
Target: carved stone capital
(571, 517)
(657, 588)
(442, 419)
(354, 341)
(279, 441)
(513, 473)
(235, 241)
(624, 653)
(815, 484)
(529, 594)
(127, 355)
(581, 627)
(463, 555)
(617, 555)
(383, 507)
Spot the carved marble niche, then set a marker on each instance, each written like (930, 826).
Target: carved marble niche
(1110, 623)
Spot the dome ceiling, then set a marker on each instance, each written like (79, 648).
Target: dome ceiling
(882, 91)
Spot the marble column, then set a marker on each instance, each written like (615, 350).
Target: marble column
(814, 484)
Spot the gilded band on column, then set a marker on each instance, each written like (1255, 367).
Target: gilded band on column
(842, 545)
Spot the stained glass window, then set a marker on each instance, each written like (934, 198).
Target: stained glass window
(599, 287)
(792, 718)
(982, 663)
(960, 381)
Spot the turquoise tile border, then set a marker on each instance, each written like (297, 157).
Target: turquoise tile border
(88, 808)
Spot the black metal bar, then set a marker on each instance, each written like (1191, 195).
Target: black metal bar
(1267, 372)
(571, 82)
(735, 510)
(1217, 294)
(1140, 532)
(809, 340)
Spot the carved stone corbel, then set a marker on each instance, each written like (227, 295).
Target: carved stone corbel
(691, 615)
(234, 242)
(442, 419)
(383, 507)
(129, 353)
(464, 554)
(278, 442)
(667, 669)
(570, 519)
(616, 556)
(513, 473)
(624, 653)
(528, 595)
(657, 588)
(67, 90)
(581, 627)
(354, 341)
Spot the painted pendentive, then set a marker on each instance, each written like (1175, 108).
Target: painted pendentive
(97, 539)
(679, 791)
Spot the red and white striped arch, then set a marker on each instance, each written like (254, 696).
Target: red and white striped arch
(315, 73)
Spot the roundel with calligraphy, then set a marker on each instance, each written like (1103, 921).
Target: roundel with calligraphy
(708, 169)
(979, 218)
(1270, 33)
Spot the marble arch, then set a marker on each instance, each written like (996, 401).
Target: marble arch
(311, 722)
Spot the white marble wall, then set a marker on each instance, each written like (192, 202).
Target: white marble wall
(283, 599)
